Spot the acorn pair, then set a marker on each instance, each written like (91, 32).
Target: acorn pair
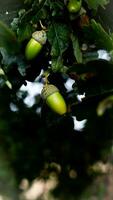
(50, 93)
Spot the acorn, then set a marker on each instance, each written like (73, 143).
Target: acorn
(35, 44)
(50, 93)
(74, 6)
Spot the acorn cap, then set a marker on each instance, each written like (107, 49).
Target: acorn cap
(40, 36)
(48, 90)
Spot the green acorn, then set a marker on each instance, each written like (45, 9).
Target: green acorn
(35, 44)
(74, 6)
(54, 99)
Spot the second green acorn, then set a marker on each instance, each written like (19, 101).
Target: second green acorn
(50, 93)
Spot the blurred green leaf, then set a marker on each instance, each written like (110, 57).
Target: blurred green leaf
(28, 1)
(8, 39)
(4, 80)
(105, 104)
(94, 4)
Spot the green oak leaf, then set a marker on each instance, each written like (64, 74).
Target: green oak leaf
(58, 37)
(102, 38)
(76, 48)
(57, 64)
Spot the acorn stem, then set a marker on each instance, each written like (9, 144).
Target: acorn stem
(42, 26)
(46, 80)
(45, 75)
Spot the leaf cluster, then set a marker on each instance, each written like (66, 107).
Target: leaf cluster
(65, 32)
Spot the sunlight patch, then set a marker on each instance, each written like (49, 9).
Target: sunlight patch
(69, 83)
(79, 125)
(33, 89)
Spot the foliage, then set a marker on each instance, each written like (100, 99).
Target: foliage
(96, 3)
(37, 140)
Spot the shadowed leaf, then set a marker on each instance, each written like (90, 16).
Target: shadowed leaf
(8, 39)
